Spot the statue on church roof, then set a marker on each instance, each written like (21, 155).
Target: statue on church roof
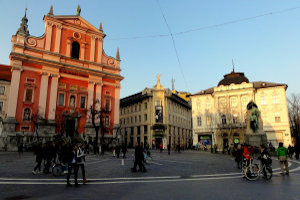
(78, 10)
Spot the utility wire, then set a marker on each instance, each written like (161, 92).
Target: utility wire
(174, 44)
(209, 26)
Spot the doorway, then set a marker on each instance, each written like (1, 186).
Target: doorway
(70, 127)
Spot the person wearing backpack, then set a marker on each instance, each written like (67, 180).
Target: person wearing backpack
(282, 157)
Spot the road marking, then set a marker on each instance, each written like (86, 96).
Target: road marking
(98, 161)
(182, 162)
(92, 179)
(122, 182)
(151, 162)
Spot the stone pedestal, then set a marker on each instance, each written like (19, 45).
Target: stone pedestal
(256, 139)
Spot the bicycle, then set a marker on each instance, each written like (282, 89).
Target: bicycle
(253, 171)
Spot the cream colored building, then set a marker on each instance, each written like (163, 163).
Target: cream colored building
(219, 112)
(154, 116)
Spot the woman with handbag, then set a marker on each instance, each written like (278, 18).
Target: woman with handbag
(282, 157)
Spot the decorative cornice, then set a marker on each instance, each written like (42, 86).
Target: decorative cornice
(63, 56)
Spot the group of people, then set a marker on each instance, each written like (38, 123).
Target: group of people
(117, 148)
(244, 153)
(72, 156)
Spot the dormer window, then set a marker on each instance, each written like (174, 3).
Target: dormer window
(75, 50)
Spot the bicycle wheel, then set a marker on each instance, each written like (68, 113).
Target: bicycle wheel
(252, 172)
(268, 172)
(57, 170)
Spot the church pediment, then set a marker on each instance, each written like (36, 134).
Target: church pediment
(77, 21)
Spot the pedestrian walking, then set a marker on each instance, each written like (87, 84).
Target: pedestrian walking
(124, 150)
(81, 161)
(72, 164)
(160, 147)
(169, 148)
(282, 157)
(39, 158)
(117, 150)
(139, 156)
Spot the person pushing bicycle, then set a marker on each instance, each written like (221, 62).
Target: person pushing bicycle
(247, 153)
(265, 156)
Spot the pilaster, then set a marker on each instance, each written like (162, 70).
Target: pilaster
(58, 38)
(14, 88)
(43, 94)
(53, 96)
(92, 54)
(48, 36)
(100, 49)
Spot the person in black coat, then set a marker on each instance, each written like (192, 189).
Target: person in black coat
(38, 151)
(72, 164)
(139, 157)
(124, 150)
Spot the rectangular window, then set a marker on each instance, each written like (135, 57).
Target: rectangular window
(145, 105)
(107, 104)
(61, 99)
(106, 121)
(2, 90)
(135, 119)
(199, 121)
(277, 119)
(1, 106)
(275, 99)
(145, 129)
(138, 130)
(82, 101)
(140, 118)
(28, 95)
(145, 117)
(140, 107)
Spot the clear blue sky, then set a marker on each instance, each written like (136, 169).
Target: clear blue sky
(265, 49)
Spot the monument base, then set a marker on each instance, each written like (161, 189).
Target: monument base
(256, 139)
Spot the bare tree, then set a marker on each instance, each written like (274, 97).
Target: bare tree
(294, 116)
(102, 125)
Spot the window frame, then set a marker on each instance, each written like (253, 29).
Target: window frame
(69, 104)
(85, 98)
(64, 101)
(32, 94)
(4, 88)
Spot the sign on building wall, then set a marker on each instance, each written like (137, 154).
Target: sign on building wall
(159, 114)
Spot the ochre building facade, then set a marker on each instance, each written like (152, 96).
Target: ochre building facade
(156, 116)
(219, 112)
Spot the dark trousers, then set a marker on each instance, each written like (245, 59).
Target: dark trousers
(140, 164)
(82, 170)
(73, 166)
(38, 165)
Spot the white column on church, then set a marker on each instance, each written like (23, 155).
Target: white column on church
(68, 53)
(98, 93)
(82, 51)
(53, 96)
(58, 38)
(90, 99)
(117, 105)
(48, 36)
(14, 90)
(92, 54)
(100, 49)
(43, 94)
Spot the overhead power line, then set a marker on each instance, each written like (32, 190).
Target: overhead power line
(209, 26)
(174, 44)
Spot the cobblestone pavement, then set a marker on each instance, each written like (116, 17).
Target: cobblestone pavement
(185, 175)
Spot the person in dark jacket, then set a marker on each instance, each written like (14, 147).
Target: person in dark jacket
(38, 151)
(124, 150)
(72, 164)
(117, 150)
(139, 157)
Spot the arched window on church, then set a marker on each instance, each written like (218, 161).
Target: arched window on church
(75, 50)
(26, 114)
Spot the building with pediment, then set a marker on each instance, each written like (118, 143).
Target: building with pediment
(58, 76)
(219, 113)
